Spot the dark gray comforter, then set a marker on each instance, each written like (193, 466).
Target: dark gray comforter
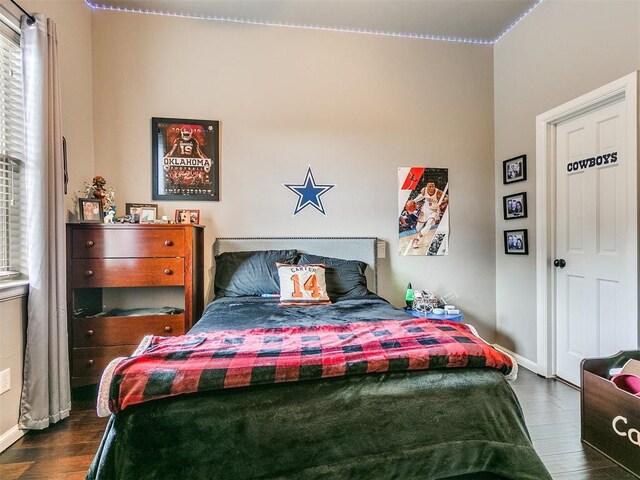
(255, 312)
(405, 425)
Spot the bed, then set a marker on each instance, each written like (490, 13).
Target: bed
(436, 423)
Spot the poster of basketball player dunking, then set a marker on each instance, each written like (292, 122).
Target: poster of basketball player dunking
(185, 159)
(423, 205)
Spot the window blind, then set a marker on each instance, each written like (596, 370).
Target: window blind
(12, 168)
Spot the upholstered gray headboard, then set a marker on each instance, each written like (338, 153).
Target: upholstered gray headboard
(348, 248)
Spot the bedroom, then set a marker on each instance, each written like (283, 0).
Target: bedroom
(354, 108)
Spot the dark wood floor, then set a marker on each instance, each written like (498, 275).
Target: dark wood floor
(63, 451)
(552, 411)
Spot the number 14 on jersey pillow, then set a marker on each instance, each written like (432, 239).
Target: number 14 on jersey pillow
(302, 284)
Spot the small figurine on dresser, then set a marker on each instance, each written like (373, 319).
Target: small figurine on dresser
(97, 189)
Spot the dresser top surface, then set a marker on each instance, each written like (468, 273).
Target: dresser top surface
(116, 226)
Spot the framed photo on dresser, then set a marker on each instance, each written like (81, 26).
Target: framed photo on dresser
(187, 216)
(185, 163)
(90, 210)
(141, 212)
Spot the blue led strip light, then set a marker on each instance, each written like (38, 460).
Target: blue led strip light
(417, 36)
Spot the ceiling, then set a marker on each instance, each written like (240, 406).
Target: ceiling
(474, 21)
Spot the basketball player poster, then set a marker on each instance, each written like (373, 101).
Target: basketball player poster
(423, 205)
(185, 159)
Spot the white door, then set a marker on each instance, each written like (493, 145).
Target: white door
(591, 239)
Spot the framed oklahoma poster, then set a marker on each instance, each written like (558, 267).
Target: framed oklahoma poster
(185, 159)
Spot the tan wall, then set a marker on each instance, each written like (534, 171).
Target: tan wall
(354, 107)
(13, 318)
(562, 50)
(73, 21)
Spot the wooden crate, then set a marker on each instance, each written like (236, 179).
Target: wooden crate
(610, 417)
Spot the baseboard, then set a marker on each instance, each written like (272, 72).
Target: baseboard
(9, 437)
(522, 362)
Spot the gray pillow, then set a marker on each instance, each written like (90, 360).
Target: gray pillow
(345, 278)
(253, 273)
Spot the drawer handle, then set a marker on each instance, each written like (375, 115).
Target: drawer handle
(90, 243)
(89, 333)
(168, 243)
(88, 273)
(90, 362)
(167, 271)
(167, 329)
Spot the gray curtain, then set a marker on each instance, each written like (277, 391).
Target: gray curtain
(46, 394)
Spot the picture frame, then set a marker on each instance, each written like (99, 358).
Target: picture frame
(148, 214)
(185, 159)
(514, 206)
(133, 210)
(516, 242)
(187, 216)
(90, 210)
(514, 169)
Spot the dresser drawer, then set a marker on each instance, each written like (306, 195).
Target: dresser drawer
(124, 242)
(91, 362)
(109, 331)
(127, 272)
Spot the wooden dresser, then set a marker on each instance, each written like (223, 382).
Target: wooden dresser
(104, 256)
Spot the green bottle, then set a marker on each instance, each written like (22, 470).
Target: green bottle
(408, 298)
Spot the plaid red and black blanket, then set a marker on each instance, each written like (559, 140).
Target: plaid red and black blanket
(167, 366)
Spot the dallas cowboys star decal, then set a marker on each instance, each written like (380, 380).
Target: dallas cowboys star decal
(309, 193)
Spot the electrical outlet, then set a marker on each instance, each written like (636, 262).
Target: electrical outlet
(5, 380)
(382, 249)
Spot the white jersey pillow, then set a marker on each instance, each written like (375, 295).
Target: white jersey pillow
(302, 284)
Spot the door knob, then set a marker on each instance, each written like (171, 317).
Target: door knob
(559, 262)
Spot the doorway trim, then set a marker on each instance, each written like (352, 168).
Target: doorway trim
(625, 88)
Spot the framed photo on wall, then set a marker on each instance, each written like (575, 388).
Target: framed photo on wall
(514, 169)
(187, 216)
(90, 210)
(185, 163)
(515, 206)
(516, 242)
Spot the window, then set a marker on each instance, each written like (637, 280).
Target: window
(12, 171)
